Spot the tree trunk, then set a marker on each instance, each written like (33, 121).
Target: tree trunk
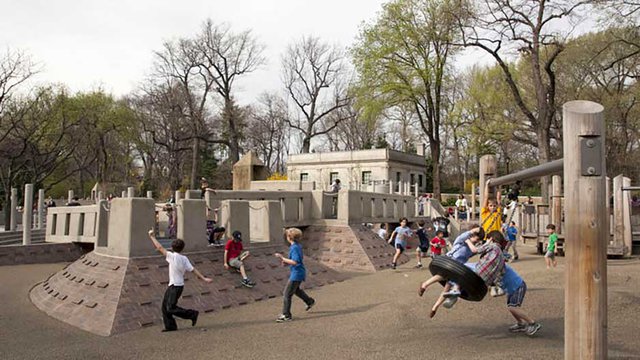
(195, 155)
(7, 209)
(435, 160)
(234, 135)
(306, 145)
(544, 149)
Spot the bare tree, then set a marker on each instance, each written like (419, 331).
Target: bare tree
(314, 77)
(352, 133)
(225, 56)
(269, 134)
(502, 27)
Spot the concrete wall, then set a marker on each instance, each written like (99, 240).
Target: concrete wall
(286, 185)
(76, 223)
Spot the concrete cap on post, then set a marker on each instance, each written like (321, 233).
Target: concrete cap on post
(131, 192)
(124, 194)
(70, 196)
(149, 194)
(586, 231)
(129, 221)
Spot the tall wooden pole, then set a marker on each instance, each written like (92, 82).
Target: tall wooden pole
(586, 225)
(472, 213)
(556, 202)
(488, 170)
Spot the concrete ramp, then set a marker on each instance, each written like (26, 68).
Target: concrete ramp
(109, 295)
(349, 248)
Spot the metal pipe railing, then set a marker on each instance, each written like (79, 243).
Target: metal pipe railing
(550, 168)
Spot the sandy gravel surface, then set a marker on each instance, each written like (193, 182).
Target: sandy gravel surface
(376, 316)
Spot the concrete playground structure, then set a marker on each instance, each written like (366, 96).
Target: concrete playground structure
(119, 286)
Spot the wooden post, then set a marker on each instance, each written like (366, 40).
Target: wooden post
(586, 228)
(472, 215)
(556, 202)
(488, 169)
(608, 198)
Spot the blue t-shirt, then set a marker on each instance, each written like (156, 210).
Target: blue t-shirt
(511, 281)
(298, 272)
(512, 231)
(402, 231)
(460, 251)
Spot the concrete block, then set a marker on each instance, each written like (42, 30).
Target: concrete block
(129, 221)
(290, 209)
(378, 208)
(192, 224)
(266, 224)
(234, 215)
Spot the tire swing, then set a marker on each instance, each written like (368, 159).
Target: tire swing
(472, 287)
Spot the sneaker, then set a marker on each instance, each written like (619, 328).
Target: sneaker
(283, 318)
(532, 329)
(496, 291)
(195, 319)
(515, 328)
(248, 283)
(418, 266)
(211, 245)
(451, 294)
(393, 266)
(309, 306)
(448, 303)
(421, 291)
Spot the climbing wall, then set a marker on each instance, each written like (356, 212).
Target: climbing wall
(107, 296)
(348, 248)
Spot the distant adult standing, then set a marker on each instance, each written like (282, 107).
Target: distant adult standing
(204, 187)
(335, 186)
(461, 206)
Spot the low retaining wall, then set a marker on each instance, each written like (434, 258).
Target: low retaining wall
(41, 253)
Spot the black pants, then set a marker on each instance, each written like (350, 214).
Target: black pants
(293, 287)
(170, 308)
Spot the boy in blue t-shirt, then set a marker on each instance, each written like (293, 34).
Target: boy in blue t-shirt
(515, 288)
(297, 276)
(511, 233)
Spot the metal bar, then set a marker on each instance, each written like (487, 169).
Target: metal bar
(550, 168)
(631, 188)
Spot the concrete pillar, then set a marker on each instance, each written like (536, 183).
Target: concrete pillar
(40, 218)
(177, 196)
(234, 215)
(131, 192)
(192, 222)
(100, 197)
(14, 210)
(130, 219)
(70, 196)
(124, 194)
(415, 190)
(27, 214)
(488, 170)
(192, 194)
(265, 219)
(586, 231)
(626, 207)
(391, 187)
(149, 194)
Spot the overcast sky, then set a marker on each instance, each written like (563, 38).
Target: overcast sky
(109, 44)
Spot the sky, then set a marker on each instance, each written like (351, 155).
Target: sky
(109, 44)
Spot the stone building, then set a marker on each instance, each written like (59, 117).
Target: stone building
(367, 170)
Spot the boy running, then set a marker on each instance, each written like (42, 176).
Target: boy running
(512, 233)
(438, 243)
(400, 236)
(178, 265)
(516, 288)
(550, 256)
(423, 247)
(298, 274)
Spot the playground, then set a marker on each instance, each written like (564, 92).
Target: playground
(373, 316)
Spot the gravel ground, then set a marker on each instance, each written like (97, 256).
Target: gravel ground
(377, 316)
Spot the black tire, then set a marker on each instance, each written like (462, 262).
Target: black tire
(472, 287)
(540, 249)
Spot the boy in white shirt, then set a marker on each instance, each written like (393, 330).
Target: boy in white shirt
(178, 264)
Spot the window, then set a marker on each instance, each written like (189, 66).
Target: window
(366, 178)
(413, 179)
(420, 180)
(398, 177)
(304, 177)
(332, 177)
